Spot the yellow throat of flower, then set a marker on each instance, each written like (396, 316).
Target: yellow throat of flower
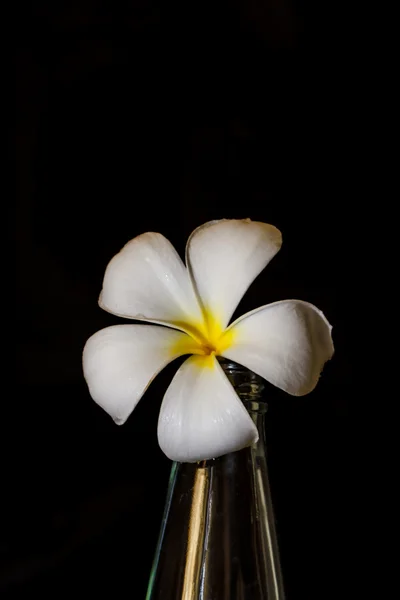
(206, 338)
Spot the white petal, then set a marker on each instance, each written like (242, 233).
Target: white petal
(148, 281)
(224, 257)
(120, 362)
(201, 415)
(286, 343)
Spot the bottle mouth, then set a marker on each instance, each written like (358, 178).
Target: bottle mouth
(247, 384)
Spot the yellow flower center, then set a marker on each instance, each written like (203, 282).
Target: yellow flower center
(205, 338)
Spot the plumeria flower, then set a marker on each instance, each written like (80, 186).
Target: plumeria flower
(201, 416)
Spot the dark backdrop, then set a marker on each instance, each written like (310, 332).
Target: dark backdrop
(133, 117)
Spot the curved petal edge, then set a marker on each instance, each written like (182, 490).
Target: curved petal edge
(201, 416)
(148, 281)
(287, 343)
(121, 361)
(224, 257)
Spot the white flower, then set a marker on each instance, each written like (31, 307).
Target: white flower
(201, 416)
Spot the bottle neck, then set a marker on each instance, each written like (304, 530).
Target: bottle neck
(248, 385)
(250, 389)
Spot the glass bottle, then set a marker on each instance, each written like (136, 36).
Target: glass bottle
(217, 538)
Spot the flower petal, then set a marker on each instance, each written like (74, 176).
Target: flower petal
(119, 363)
(286, 342)
(201, 416)
(224, 257)
(148, 281)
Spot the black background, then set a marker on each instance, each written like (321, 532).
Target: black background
(134, 117)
